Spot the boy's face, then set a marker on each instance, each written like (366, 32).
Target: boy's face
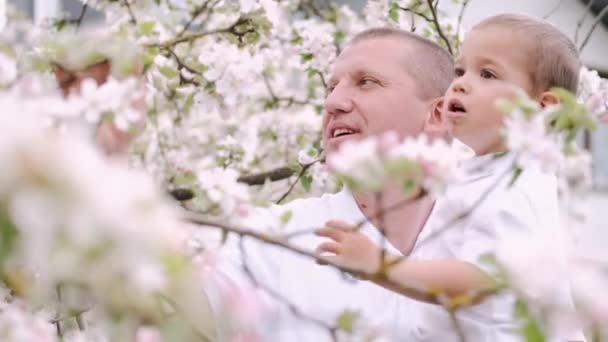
(492, 65)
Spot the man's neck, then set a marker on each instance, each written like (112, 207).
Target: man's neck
(401, 219)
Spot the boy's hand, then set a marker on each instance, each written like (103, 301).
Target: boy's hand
(349, 247)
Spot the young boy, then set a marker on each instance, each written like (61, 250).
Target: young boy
(500, 54)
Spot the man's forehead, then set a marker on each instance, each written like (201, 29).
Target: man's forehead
(372, 54)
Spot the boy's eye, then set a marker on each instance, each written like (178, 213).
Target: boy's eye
(458, 72)
(487, 74)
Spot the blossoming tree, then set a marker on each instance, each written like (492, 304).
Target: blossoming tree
(219, 104)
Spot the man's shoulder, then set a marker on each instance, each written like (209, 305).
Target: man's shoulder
(303, 212)
(322, 201)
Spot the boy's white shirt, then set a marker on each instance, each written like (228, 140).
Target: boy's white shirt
(321, 292)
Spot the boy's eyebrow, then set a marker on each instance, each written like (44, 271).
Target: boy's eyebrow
(485, 60)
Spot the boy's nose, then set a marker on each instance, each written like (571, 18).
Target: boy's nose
(460, 87)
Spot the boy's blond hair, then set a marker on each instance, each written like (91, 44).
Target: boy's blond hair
(553, 58)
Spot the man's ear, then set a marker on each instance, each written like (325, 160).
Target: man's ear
(435, 125)
(548, 99)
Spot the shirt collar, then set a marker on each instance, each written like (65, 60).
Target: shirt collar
(478, 167)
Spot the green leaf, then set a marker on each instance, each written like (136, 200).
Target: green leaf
(306, 181)
(286, 217)
(346, 320)
(295, 166)
(168, 72)
(8, 237)
(146, 27)
(188, 103)
(312, 72)
(516, 173)
(393, 12)
(60, 24)
(339, 37)
(530, 329)
(305, 57)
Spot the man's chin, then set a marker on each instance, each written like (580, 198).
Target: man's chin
(333, 144)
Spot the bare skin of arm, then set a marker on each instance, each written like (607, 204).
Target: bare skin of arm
(424, 280)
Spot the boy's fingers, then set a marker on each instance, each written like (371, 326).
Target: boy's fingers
(329, 232)
(340, 225)
(329, 247)
(325, 259)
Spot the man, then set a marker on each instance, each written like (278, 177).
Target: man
(385, 79)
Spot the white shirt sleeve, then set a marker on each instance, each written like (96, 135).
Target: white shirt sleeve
(242, 263)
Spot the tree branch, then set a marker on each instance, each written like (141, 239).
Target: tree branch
(293, 185)
(420, 14)
(439, 30)
(579, 23)
(465, 3)
(193, 36)
(430, 295)
(83, 10)
(181, 65)
(553, 10)
(272, 175)
(197, 11)
(598, 19)
(277, 296)
(130, 10)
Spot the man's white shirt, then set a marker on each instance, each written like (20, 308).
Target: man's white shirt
(320, 294)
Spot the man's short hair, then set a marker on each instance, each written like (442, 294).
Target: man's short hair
(553, 61)
(428, 64)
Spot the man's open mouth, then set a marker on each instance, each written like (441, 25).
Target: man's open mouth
(341, 132)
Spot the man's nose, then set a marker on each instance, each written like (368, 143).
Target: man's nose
(339, 101)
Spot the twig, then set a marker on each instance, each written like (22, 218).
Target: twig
(420, 14)
(553, 10)
(182, 65)
(438, 27)
(293, 185)
(323, 82)
(448, 225)
(431, 296)
(291, 306)
(83, 10)
(201, 335)
(272, 175)
(360, 224)
(457, 326)
(197, 11)
(197, 35)
(579, 23)
(130, 10)
(79, 321)
(465, 3)
(276, 99)
(598, 19)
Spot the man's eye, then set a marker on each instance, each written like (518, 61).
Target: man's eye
(487, 74)
(458, 72)
(366, 81)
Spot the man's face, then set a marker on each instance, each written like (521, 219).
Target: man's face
(370, 93)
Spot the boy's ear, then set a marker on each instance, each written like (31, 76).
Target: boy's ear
(548, 99)
(435, 125)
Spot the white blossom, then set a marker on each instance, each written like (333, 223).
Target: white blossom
(530, 139)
